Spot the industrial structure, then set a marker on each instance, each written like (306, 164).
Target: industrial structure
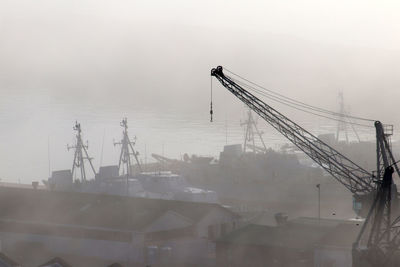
(251, 131)
(126, 178)
(80, 155)
(344, 120)
(91, 230)
(127, 151)
(379, 238)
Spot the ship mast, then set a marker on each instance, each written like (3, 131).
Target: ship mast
(344, 119)
(251, 131)
(127, 151)
(80, 154)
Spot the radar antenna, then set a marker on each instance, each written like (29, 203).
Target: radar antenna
(80, 154)
(250, 134)
(127, 151)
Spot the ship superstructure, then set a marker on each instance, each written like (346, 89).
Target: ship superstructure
(126, 178)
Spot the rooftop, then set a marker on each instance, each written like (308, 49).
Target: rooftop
(301, 233)
(94, 210)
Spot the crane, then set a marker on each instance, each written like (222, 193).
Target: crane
(351, 175)
(379, 237)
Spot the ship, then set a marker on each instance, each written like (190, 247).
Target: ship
(252, 176)
(125, 179)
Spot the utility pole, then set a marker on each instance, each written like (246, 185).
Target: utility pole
(145, 157)
(48, 154)
(226, 131)
(319, 203)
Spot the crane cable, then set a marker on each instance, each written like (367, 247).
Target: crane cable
(211, 104)
(293, 101)
(298, 103)
(285, 102)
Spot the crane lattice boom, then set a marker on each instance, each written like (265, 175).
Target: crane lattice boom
(352, 176)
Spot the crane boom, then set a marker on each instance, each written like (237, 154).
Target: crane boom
(351, 175)
(378, 241)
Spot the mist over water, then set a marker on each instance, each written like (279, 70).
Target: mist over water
(97, 63)
(36, 126)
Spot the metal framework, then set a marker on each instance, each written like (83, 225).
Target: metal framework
(351, 175)
(80, 154)
(250, 133)
(379, 238)
(127, 151)
(342, 126)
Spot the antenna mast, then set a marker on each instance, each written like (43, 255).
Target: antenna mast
(127, 151)
(342, 124)
(80, 154)
(251, 131)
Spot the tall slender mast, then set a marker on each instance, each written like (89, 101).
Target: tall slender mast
(342, 125)
(250, 132)
(80, 154)
(127, 151)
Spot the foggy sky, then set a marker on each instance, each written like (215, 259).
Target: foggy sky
(150, 50)
(158, 54)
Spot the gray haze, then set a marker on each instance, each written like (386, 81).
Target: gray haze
(97, 61)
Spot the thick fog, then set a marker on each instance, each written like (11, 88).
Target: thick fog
(97, 61)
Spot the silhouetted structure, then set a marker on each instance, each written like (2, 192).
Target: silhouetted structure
(7, 262)
(80, 154)
(83, 227)
(303, 242)
(56, 262)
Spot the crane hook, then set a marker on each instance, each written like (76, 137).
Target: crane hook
(211, 112)
(211, 98)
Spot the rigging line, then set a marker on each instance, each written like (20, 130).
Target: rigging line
(296, 102)
(299, 102)
(306, 111)
(315, 114)
(271, 95)
(102, 147)
(303, 105)
(211, 104)
(283, 96)
(288, 103)
(48, 154)
(285, 102)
